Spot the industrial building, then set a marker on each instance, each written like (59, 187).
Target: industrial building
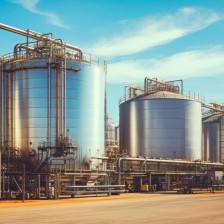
(57, 139)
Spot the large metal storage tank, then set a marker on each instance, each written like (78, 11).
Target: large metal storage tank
(213, 137)
(161, 124)
(47, 98)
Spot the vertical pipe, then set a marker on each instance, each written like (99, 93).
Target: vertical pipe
(7, 119)
(5, 83)
(24, 181)
(64, 89)
(3, 112)
(105, 111)
(1, 103)
(0, 173)
(150, 181)
(49, 105)
(38, 186)
(27, 42)
(62, 96)
(73, 184)
(11, 110)
(56, 186)
(119, 171)
(58, 103)
(47, 186)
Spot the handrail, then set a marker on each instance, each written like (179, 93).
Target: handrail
(92, 59)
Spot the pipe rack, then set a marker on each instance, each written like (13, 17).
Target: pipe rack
(40, 37)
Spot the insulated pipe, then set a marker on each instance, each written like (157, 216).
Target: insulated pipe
(38, 36)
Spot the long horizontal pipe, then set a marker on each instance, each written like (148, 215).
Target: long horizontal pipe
(170, 173)
(94, 186)
(100, 157)
(209, 106)
(169, 161)
(38, 36)
(161, 161)
(90, 174)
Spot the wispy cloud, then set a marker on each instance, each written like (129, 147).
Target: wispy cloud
(196, 63)
(31, 5)
(143, 34)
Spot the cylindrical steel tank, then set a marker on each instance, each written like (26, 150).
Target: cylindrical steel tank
(161, 124)
(48, 98)
(111, 132)
(213, 138)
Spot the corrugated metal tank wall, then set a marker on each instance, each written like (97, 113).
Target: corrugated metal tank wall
(213, 138)
(211, 147)
(32, 89)
(163, 125)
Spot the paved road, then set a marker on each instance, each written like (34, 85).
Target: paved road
(128, 208)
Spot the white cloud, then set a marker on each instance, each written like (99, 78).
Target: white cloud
(31, 6)
(143, 34)
(197, 63)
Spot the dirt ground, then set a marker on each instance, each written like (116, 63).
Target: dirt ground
(127, 208)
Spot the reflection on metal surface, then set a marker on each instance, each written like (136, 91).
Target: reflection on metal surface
(213, 138)
(44, 103)
(164, 125)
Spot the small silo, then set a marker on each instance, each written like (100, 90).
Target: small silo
(155, 122)
(112, 132)
(53, 96)
(213, 137)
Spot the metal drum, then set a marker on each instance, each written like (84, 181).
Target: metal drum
(161, 125)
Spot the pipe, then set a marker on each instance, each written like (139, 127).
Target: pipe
(23, 46)
(49, 105)
(39, 36)
(209, 106)
(24, 182)
(162, 161)
(99, 157)
(1, 119)
(171, 161)
(182, 84)
(1, 73)
(64, 93)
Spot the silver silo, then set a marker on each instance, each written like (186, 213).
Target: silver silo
(53, 94)
(213, 137)
(112, 131)
(160, 123)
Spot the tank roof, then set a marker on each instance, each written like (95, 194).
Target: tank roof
(213, 118)
(163, 95)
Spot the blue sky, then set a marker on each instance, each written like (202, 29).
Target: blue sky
(159, 38)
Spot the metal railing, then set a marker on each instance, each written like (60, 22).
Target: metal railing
(24, 55)
(189, 95)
